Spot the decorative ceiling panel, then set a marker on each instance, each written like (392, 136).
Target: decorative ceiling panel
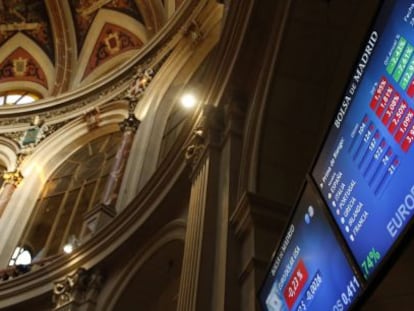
(21, 65)
(85, 11)
(112, 41)
(28, 17)
(58, 43)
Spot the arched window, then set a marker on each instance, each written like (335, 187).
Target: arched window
(68, 194)
(11, 98)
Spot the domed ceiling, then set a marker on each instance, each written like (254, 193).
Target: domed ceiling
(51, 46)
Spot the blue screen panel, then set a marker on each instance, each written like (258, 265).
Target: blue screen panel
(366, 167)
(309, 271)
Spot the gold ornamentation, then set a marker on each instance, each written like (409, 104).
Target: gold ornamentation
(113, 43)
(14, 178)
(20, 66)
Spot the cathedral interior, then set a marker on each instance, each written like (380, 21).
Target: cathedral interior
(116, 196)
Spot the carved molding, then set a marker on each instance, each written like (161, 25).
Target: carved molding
(195, 148)
(28, 139)
(92, 119)
(193, 31)
(140, 82)
(80, 287)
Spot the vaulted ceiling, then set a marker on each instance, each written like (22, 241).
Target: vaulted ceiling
(51, 46)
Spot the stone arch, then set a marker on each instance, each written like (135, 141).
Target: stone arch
(151, 278)
(36, 169)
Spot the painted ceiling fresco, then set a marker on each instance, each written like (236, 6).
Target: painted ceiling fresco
(44, 41)
(28, 17)
(112, 41)
(85, 11)
(20, 65)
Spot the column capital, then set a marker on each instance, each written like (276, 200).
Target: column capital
(207, 134)
(14, 178)
(130, 124)
(195, 148)
(78, 288)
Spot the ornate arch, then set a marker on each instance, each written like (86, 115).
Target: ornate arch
(38, 167)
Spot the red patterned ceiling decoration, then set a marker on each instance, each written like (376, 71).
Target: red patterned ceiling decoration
(21, 66)
(113, 40)
(85, 11)
(29, 18)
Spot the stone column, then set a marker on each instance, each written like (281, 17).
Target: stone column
(101, 214)
(258, 224)
(78, 291)
(128, 127)
(11, 181)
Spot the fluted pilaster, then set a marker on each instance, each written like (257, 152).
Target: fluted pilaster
(189, 285)
(200, 259)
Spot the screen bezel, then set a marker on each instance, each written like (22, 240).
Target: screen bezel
(338, 237)
(395, 251)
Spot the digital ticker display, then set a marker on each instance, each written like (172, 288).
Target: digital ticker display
(309, 270)
(365, 170)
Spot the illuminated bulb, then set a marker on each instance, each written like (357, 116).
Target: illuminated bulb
(68, 248)
(188, 101)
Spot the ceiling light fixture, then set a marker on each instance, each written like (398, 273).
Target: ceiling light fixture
(68, 248)
(188, 101)
(71, 245)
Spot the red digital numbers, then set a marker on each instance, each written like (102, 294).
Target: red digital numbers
(378, 93)
(296, 283)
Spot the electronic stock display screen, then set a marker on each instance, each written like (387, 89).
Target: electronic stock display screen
(365, 170)
(309, 271)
